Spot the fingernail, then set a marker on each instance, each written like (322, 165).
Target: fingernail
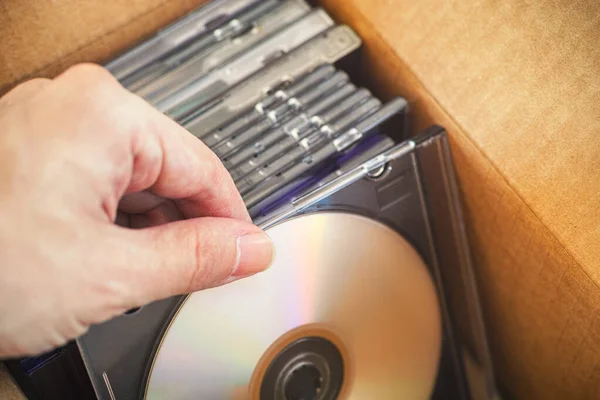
(255, 254)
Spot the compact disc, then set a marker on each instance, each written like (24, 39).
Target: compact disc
(347, 310)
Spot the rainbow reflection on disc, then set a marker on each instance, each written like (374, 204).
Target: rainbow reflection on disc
(337, 276)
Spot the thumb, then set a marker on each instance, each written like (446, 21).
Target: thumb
(193, 254)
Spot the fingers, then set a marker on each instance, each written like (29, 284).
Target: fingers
(163, 158)
(188, 255)
(162, 214)
(190, 174)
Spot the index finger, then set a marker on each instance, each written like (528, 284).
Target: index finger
(190, 173)
(154, 153)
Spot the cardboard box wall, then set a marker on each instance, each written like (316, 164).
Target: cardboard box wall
(517, 85)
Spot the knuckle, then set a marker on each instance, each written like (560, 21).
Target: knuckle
(94, 83)
(208, 260)
(98, 94)
(89, 73)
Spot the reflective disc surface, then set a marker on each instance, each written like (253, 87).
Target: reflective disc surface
(338, 276)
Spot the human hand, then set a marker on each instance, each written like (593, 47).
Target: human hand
(106, 205)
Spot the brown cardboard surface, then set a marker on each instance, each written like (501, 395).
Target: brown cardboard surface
(518, 87)
(523, 82)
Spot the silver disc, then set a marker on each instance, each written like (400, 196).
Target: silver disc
(339, 276)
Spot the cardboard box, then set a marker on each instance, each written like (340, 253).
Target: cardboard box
(516, 84)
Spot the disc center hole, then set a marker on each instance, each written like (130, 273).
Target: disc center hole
(304, 383)
(310, 368)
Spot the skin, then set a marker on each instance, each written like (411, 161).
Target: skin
(106, 204)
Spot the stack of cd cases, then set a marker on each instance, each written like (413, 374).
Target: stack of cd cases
(260, 83)
(273, 88)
